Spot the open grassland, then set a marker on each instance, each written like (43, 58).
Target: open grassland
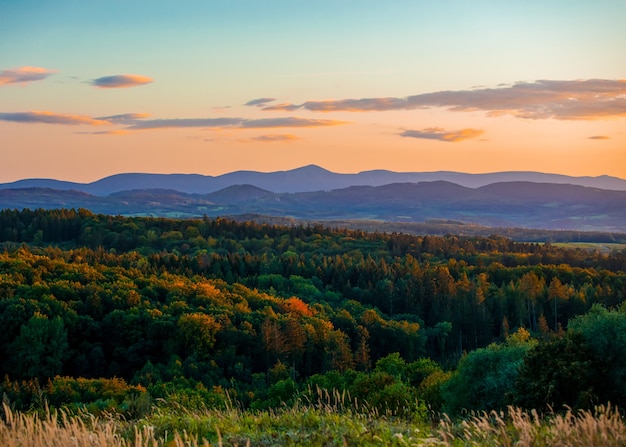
(602, 247)
(310, 426)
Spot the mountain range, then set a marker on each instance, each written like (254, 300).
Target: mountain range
(304, 179)
(505, 199)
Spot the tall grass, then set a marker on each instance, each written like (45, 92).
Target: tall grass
(602, 427)
(309, 425)
(57, 428)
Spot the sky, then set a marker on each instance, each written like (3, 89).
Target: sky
(90, 88)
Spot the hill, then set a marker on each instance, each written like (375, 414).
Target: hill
(506, 204)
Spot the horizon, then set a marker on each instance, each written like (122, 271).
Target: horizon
(90, 90)
(309, 166)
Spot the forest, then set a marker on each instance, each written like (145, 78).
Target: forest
(110, 313)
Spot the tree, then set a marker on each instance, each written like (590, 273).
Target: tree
(557, 292)
(41, 348)
(557, 372)
(362, 359)
(273, 340)
(198, 333)
(531, 288)
(337, 352)
(604, 331)
(485, 378)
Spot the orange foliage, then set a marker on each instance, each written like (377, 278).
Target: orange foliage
(296, 306)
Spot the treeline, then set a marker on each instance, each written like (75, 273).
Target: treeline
(255, 308)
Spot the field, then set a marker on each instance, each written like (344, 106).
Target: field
(324, 425)
(602, 247)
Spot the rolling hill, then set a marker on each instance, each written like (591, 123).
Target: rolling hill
(505, 204)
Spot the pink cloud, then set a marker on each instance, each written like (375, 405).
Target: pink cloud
(437, 133)
(544, 99)
(22, 75)
(233, 123)
(46, 117)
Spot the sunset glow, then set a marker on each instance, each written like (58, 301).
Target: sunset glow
(91, 89)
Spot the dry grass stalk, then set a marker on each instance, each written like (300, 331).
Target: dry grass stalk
(599, 428)
(57, 429)
(602, 427)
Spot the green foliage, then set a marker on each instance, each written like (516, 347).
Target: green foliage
(485, 378)
(191, 307)
(584, 367)
(429, 390)
(393, 364)
(282, 393)
(94, 395)
(40, 349)
(604, 331)
(558, 372)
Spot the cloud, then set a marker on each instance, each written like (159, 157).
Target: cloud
(259, 101)
(346, 105)
(437, 133)
(136, 121)
(275, 137)
(23, 75)
(599, 137)
(121, 81)
(124, 118)
(106, 132)
(45, 117)
(288, 122)
(564, 100)
(186, 122)
(221, 108)
(232, 122)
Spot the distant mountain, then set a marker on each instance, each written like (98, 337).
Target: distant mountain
(305, 179)
(238, 194)
(506, 204)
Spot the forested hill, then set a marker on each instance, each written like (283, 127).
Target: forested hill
(507, 204)
(221, 302)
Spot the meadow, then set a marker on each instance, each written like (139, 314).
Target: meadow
(301, 425)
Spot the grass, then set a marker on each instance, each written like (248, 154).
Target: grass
(603, 247)
(309, 425)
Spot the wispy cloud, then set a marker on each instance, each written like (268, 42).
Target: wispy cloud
(288, 122)
(45, 117)
(233, 122)
(124, 118)
(21, 75)
(106, 132)
(185, 122)
(564, 100)
(275, 137)
(599, 137)
(121, 81)
(437, 133)
(259, 101)
(136, 121)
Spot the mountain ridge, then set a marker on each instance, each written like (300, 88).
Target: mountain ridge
(310, 178)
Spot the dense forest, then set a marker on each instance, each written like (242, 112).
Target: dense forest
(113, 310)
